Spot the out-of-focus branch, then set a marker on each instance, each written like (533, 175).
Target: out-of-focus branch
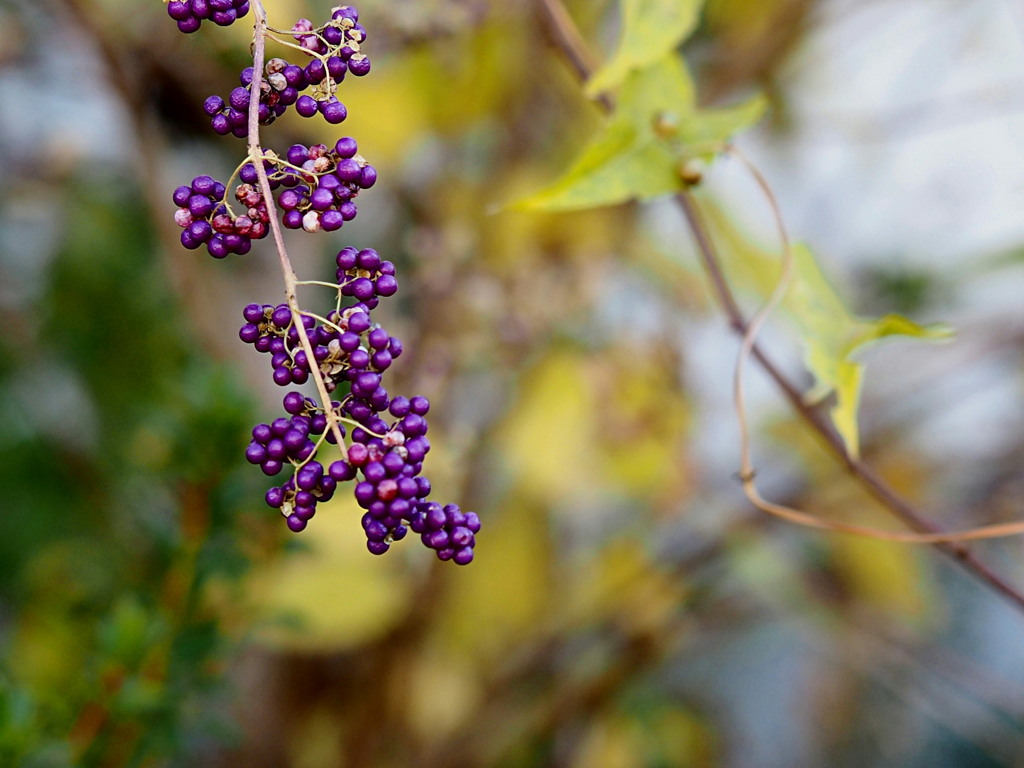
(566, 38)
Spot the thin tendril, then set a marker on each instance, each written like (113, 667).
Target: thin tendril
(747, 473)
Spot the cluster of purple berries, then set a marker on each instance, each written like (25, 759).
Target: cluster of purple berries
(190, 14)
(335, 48)
(394, 493)
(349, 347)
(206, 219)
(315, 188)
(385, 456)
(342, 36)
(333, 178)
(269, 329)
(288, 440)
(320, 186)
(364, 276)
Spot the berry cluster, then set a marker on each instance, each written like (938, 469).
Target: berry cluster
(347, 352)
(332, 179)
(364, 276)
(190, 14)
(385, 456)
(340, 37)
(206, 217)
(288, 440)
(347, 346)
(335, 51)
(447, 530)
(320, 186)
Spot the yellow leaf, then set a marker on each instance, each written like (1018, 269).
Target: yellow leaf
(650, 30)
(832, 335)
(335, 594)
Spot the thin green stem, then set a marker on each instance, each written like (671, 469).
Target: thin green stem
(324, 320)
(324, 283)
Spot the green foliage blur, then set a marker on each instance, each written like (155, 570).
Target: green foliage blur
(627, 609)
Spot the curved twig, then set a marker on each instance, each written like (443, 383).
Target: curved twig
(566, 38)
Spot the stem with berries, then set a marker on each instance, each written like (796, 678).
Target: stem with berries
(345, 351)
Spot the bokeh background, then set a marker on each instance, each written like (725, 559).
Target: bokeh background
(627, 608)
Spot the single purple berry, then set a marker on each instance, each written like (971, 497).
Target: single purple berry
(334, 111)
(179, 11)
(249, 333)
(201, 231)
(282, 316)
(368, 259)
(332, 220)
(203, 185)
(181, 196)
(255, 453)
(320, 199)
(348, 170)
(287, 97)
(294, 403)
(333, 35)
(315, 71)
(275, 497)
(295, 76)
(220, 124)
(346, 258)
(346, 147)
(386, 285)
(297, 153)
(378, 338)
(377, 547)
(336, 66)
(359, 65)
(306, 105)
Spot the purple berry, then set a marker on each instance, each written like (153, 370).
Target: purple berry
(306, 106)
(334, 111)
(346, 147)
(359, 65)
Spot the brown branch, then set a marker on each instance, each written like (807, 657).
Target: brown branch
(290, 281)
(566, 38)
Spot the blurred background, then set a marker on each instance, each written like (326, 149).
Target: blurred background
(627, 608)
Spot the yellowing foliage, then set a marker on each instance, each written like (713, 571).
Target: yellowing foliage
(332, 595)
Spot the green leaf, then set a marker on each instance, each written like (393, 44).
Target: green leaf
(618, 166)
(650, 30)
(630, 159)
(711, 127)
(831, 336)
